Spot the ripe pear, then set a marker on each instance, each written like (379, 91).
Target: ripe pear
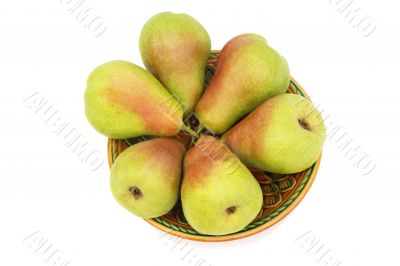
(123, 100)
(283, 135)
(219, 194)
(175, 48)
(248, 72)
(145, 178)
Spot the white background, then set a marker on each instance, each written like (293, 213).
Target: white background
(45, 188)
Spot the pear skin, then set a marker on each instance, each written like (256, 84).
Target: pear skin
(145, 178)
(283, 135)
(123, 100)
(219, 194)
(248, 72)
(175, 48)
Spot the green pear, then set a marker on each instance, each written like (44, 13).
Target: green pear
(145, 178)
(283, 135)
(248, 72)
(175, 48)
(123, 100)
(219, 194)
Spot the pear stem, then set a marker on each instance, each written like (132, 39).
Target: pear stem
(201, 127)
(189, 130)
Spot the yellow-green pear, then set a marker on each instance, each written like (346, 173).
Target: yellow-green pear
(123, 100)
(145, 178)
(219, 194)
(284, 135)
(248, 72)
(175, 48)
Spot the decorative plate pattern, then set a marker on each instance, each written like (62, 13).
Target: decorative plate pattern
(282, 193)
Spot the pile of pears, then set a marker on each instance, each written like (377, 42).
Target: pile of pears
(250, 122)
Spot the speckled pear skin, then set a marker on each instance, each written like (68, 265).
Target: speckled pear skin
(284, 135)
(248, 72)
(175, 48)
(123, 100)
(219, 194)
(145, 178)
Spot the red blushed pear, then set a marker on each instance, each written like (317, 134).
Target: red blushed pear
(219, 194)
(123, 100)
(248, 72)
(283, 135)
(145, 178)
(175, 48)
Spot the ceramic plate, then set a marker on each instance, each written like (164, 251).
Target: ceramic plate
(282, 193)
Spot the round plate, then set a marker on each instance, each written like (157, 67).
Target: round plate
(282, 193)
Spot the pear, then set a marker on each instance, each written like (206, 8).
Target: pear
(219, 194)
(248, 72)
(175, 48)
(283, 135)
(123, 100)
(145, 178)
